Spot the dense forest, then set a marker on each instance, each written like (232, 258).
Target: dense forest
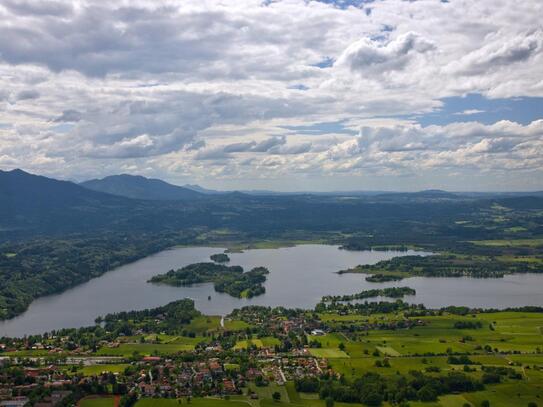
(31, 269)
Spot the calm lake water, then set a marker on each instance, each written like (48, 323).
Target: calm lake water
(299, 277)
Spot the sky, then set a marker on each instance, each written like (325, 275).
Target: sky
(285, 95)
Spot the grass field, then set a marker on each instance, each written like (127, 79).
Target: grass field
(172, 345)
(510, 243)
(195, 402)
(98, 369)
(251, 342)
(97, 402)
(203, 324)
(328, 353)
(259, 343)
(426, 347)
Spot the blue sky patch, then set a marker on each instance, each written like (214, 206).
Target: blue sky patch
(475, 107)
(325, 63)
(346, 3)
(321, 128)
(63, 127)
(299, 86)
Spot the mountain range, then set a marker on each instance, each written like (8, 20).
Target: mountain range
(33, 205)
(138, 187)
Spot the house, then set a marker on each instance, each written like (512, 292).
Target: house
(54, 399)
(147, 389)
(15, 402)
(228, 386)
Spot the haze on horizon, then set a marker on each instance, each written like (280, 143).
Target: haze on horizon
(288, 95)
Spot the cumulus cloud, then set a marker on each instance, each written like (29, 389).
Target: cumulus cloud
(27, 94)
(366, 55)
(32, 8)
(200, 88)
(269, 143)
(503, 145)
(69, 115)
(498, 53)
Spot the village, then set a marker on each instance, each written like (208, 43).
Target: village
(369, 353)
(64, 367)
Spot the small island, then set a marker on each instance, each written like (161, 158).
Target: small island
(220, 258)
(383, 278)
(391, 292)
(226, 279)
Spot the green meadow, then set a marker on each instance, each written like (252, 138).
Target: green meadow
(97, 402)
(504, 339)
(169, 346)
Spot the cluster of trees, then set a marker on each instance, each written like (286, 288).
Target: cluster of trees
(228, 279)
(169, 318)
(220, 258)
(460, 360)
(373, 389)
(383, 278)
(391, 292)
(494, 374)
(468, 324)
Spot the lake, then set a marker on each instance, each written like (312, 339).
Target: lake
(299, 277)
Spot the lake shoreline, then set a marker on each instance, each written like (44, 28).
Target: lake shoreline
(299, 277)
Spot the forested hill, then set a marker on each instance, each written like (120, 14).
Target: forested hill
(35, 205)
(138, 187)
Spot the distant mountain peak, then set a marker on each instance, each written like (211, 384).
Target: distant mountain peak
(198, 188)
(140, 187)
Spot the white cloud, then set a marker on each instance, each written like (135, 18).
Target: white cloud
(172, 89)
(499, 53)
(367, 56)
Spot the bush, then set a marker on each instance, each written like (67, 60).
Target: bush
(490, 378)
(427, 393)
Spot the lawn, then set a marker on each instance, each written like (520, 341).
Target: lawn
(203, 324)
(510, 243)
(195, 402)
(97, 402)
(98, 369)
(328, 353)
(247, 343)
(507, 395)
(235, 325)
(259, 343)
(180, 344)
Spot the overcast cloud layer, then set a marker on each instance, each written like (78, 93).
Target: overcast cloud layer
(285, 95)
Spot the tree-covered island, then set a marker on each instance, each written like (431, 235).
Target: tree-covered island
(390, 292)
(220, 258)
(226, 279)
